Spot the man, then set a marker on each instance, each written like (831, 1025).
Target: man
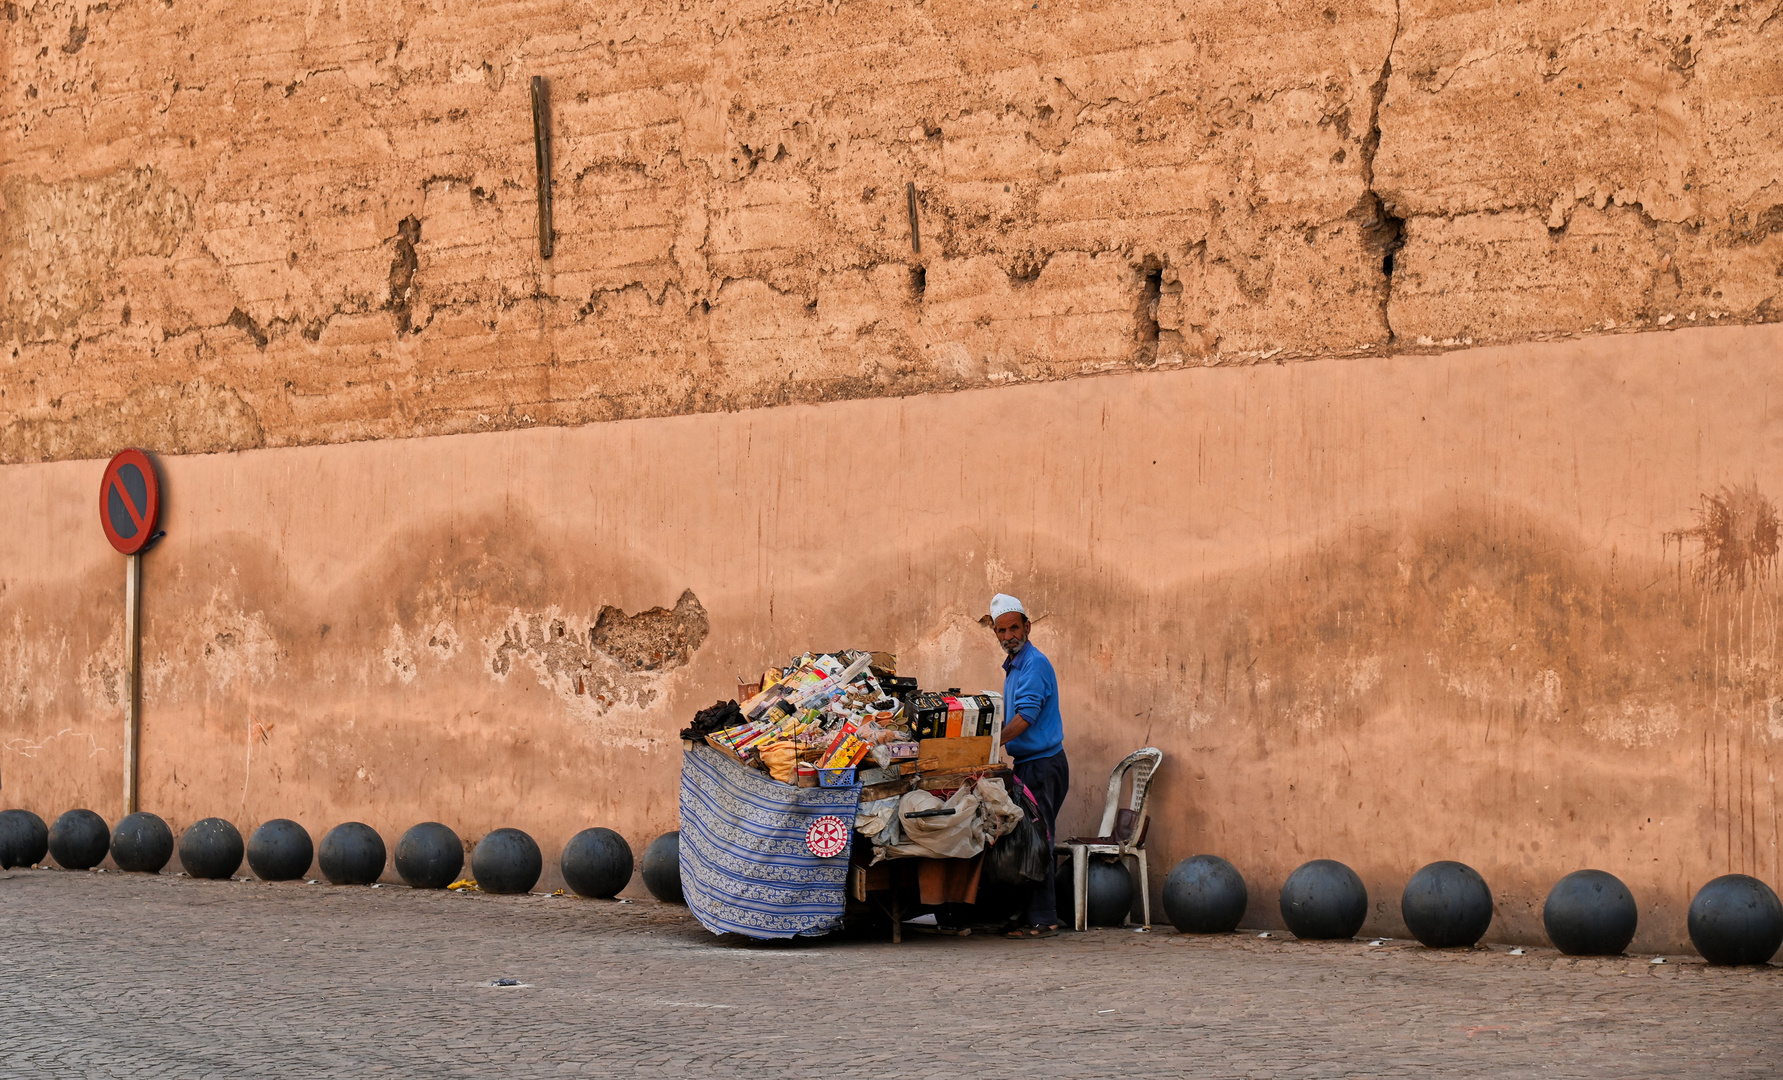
(1034, 736)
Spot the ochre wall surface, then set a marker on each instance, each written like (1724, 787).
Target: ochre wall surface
(233, 225)
(1510, 605)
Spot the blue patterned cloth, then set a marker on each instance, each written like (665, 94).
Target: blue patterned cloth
(745, 868)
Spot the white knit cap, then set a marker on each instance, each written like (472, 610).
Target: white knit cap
(1002, 604)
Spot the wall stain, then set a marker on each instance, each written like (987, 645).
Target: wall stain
(1736, 538)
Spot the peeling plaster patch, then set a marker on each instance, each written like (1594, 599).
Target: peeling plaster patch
(653, 639)
(31, 665)
(402, 652)
(1306, 714)
(570, 654)
(229, 645)
(399, 660)
(102, 678)
(1360, 675)
(1633, 722)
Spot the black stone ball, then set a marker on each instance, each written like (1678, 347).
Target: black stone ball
(79, 840)
(1109, 888)
(352, 854)
(429, 856)
(1736, 920)
(1447, 905)
(1590, 913)
(280, 850)
(507, 861)
(662, 868)
(1205, 894)
(1324, 900)
(596, 862)
(24, 838)
(211, 848)
(142, 843)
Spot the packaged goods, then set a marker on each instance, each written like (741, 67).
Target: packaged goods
(828, 718)
(928, 716)
(846, 731)
(956, 716)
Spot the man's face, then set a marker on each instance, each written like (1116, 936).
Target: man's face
(1012, 631)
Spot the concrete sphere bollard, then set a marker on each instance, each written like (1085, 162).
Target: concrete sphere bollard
(211, 848)
(1590, 913)
(352, 854)
(79, 840)
(1324, 900)
(24, 838)
(1736, 920)
(597, 863)
(280, 850)
(1110, 893)
(1447, 905)
(429, 856)
(1205, 894)
(142, 843)
(507, 861)
(662, 868)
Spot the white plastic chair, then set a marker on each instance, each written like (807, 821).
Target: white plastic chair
(1121, 834)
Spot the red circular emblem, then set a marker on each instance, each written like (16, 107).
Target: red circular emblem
(130, 501)
(827, 836)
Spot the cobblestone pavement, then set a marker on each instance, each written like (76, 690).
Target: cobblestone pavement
(126, 975)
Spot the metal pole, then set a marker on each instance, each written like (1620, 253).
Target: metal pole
(133, 674)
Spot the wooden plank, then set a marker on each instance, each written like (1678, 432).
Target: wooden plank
(956, 778)
(869, 879)
(939, 755)
(887, 789)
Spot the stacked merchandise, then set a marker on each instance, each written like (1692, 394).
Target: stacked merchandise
(820, 717)
(927, 767)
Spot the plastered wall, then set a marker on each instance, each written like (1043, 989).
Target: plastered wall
(227, 226)
(1510, 605)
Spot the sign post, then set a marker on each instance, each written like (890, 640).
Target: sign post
(129, 509)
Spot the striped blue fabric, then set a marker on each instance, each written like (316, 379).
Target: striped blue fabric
(745, 868)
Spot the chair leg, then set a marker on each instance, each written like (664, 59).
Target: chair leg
(1080, 886)
(1127, 915)
(1145, 889)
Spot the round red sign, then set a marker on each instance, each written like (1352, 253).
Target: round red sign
(130, 501)
(827, 837)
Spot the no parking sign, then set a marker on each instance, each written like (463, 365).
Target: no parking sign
(130, 501)
(129, 510)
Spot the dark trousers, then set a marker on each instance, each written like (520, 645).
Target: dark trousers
(1049, 778)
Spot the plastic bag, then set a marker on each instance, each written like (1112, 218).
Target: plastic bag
(958, 835)
(1000, 814)
(878, 821)
(1023, 854)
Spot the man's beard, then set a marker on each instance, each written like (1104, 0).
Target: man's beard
(1013, 647)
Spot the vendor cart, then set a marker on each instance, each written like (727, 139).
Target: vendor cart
(771, 860)
(767, 853)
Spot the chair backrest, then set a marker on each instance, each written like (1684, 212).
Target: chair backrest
(1142, 764)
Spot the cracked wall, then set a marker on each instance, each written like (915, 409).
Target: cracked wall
(229, 227)
(1514, 606)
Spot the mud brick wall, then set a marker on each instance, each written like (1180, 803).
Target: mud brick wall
(231, 226)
